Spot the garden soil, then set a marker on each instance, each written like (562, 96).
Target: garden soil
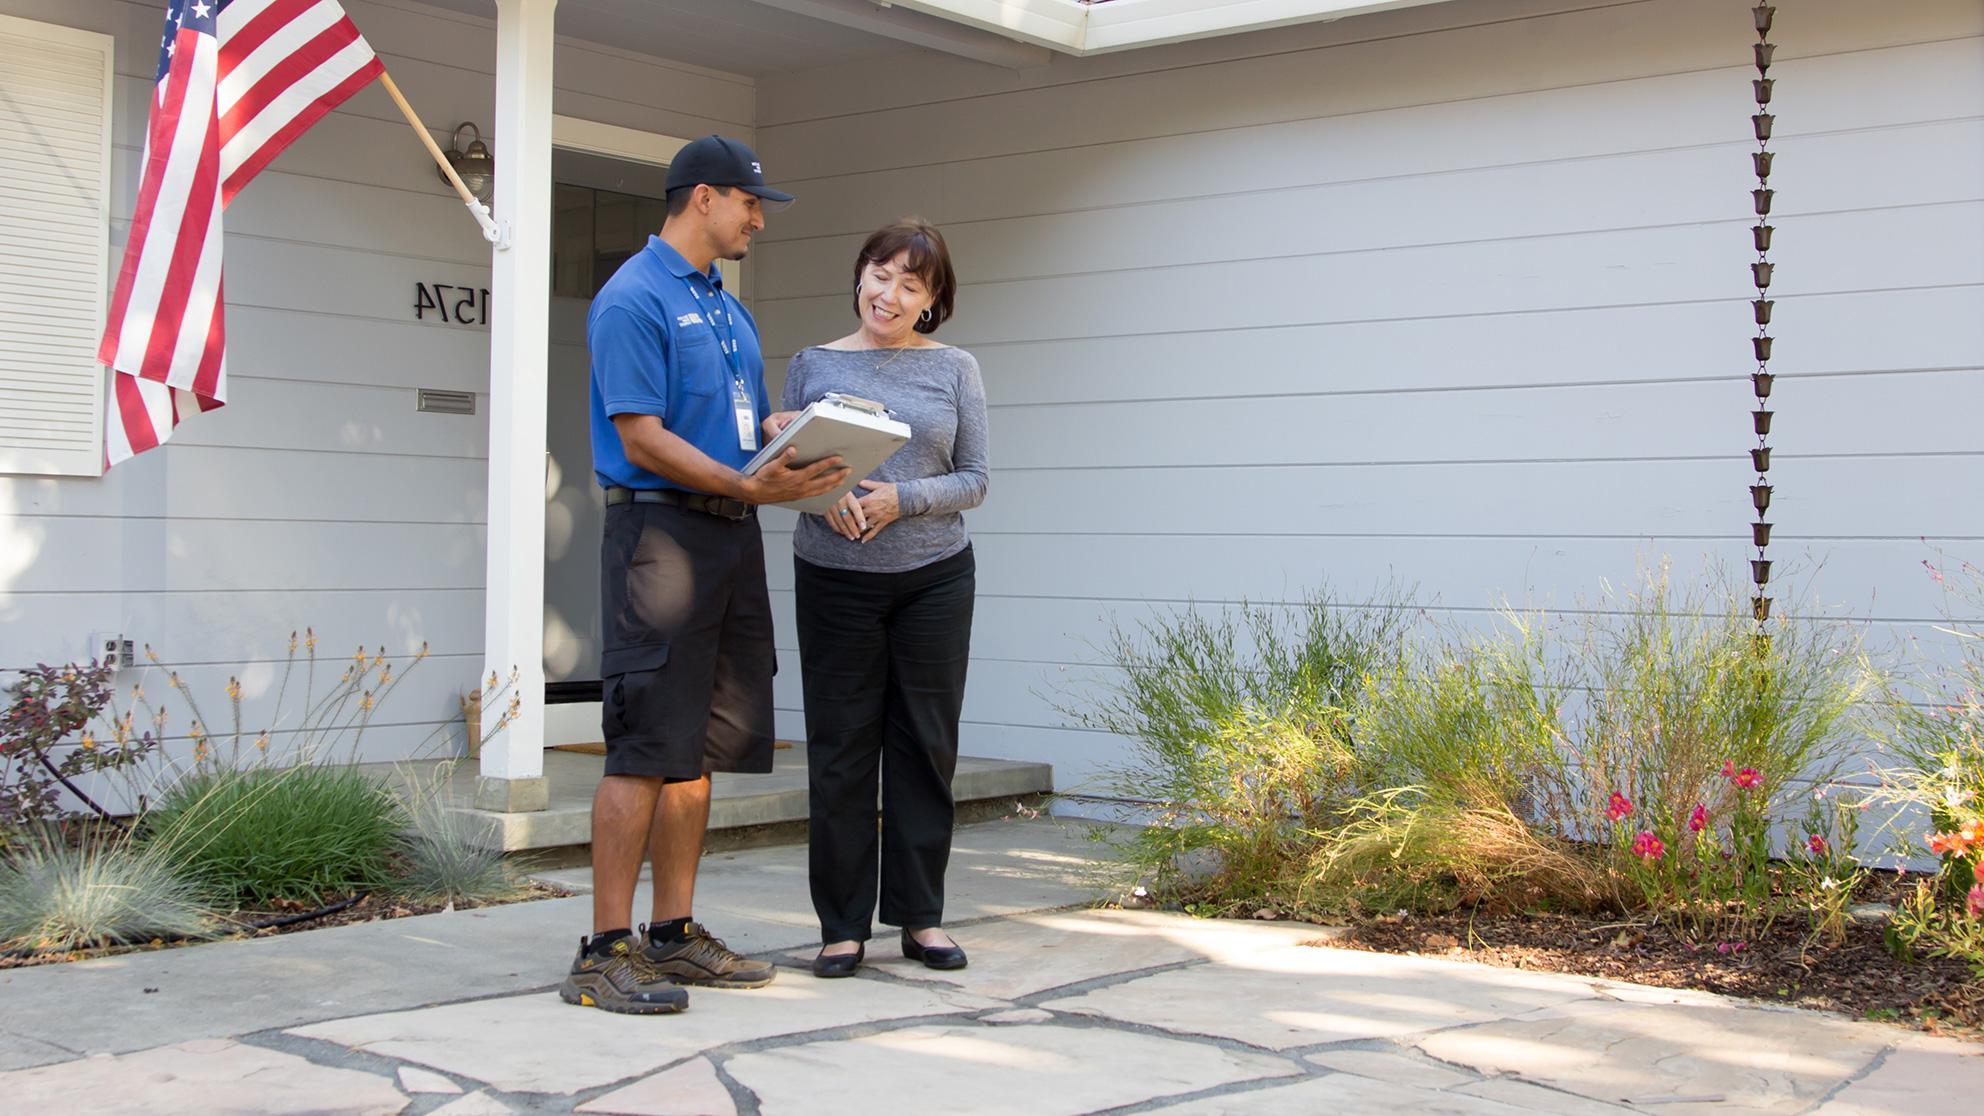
(1858, 978)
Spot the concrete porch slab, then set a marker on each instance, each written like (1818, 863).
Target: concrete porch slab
(738, 802)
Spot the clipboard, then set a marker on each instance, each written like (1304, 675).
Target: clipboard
(857, 430)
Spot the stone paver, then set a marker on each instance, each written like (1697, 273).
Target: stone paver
(1300, 996)
(1536, 1098)
(1034, 953)
(690, 1089)
(1920, 1077)
(204, 1075)
(1043, 1070)
(1690, 1060)
(413, 1079)
(1341, 1092)
(1061, 1011)
(540, 1044)
(1391, 1065)
(474, 1104)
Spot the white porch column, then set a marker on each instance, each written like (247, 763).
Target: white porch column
(520, 289)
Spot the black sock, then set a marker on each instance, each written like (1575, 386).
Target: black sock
(670, 932)
(603, 941)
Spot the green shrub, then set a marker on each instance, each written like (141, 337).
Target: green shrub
(1239, 736)
(262, 835)
(1465, 761)
(1932, 721)
(1700, 747)
(105, 889)
(442, 859)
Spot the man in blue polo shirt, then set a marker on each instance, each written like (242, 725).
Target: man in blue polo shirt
(678, 406)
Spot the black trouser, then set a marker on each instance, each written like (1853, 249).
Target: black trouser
(883, 660)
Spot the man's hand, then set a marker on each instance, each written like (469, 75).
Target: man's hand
(776, 422)
(783, 479)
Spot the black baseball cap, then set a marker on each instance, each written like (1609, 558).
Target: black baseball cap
(720, 161)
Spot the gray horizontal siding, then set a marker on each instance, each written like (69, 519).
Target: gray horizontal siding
(1453, 298)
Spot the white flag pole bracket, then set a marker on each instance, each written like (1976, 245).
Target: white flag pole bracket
(493, 232)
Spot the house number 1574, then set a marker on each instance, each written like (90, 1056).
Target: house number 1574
(460, 305)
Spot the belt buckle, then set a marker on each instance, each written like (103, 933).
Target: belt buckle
(725, 507)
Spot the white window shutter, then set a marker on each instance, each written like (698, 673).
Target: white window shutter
(55, 115)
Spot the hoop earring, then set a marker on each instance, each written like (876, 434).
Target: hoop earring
(926, 315)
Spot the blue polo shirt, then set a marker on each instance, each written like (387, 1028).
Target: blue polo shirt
(659, 331)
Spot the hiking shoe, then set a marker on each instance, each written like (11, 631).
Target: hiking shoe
(621, 980)
(701, 959)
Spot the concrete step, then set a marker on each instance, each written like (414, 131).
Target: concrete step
(744, 809)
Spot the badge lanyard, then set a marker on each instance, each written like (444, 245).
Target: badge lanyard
(741, 402)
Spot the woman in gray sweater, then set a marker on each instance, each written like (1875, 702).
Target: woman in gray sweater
(885, 588)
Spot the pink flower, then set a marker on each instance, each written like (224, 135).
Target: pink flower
(1617, 807)
(1748, 779)
(1729, 769)
(1816, 843)
(1648, 847)
(1698, 820)
(1976, 904)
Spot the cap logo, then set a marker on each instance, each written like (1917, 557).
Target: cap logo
(756, 169)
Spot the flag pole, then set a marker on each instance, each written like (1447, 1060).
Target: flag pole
(490, 230)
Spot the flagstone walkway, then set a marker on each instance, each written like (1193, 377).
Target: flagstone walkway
(1063, 1010)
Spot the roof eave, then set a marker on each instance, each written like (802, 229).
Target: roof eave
(1068, 27)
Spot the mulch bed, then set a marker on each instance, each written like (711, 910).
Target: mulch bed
(367, 908)
(1859, 977)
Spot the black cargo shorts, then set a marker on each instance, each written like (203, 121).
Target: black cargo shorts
(687, 625)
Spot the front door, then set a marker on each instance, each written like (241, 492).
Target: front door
(604, 209)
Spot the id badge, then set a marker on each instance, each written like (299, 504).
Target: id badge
(747, 417)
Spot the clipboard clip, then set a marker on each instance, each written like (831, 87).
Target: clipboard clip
(855, 402)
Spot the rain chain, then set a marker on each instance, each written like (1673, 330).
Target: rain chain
(1760, 273)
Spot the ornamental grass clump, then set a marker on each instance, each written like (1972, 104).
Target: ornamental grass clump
(1240, 739)
(1463, 756)
(442, 856)
(276, 834)
(1699, 748)
(64, 891)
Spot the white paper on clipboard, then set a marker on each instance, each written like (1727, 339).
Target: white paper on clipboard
(857, 430)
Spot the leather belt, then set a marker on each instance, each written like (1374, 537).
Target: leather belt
(722, 507)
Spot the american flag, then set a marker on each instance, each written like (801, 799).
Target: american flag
(238, 81)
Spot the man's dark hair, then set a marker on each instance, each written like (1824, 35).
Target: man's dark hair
(929, 258)
(678, 198)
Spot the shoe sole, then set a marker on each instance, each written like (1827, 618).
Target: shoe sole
(720, 981)
(579, 997)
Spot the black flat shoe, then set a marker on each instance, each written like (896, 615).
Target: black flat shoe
(828, 966)
(933, 957)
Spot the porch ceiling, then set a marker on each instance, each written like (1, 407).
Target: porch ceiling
(757, 38)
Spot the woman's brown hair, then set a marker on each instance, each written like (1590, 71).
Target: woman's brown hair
(929, 259)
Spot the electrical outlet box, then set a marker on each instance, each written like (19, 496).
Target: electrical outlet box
(112, 649)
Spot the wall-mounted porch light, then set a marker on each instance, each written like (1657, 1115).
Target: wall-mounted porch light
(474, 163)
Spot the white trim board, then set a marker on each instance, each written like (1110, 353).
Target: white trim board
(634, 146)
(1085, 29)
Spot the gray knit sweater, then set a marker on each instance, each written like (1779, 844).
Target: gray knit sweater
(942, 471)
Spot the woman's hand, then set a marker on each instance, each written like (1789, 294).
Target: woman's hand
(776, 422)
(877, 509)
(847, 518)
